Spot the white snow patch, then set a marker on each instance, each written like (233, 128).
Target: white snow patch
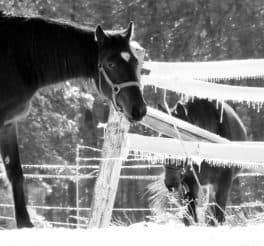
(139, 234)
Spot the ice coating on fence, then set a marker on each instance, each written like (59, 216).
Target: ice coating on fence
(209, 70)
(189, 79)
(160, 150)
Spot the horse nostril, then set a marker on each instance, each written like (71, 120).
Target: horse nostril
(138, 112)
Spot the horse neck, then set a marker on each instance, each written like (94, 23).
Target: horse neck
(61, 52)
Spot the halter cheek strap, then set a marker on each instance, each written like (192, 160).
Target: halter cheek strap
(116, 88)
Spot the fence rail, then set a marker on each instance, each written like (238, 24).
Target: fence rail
(53, 167)
(76, 176)
(211, 70)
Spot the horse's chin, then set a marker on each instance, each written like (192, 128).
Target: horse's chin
(132, 113)
(132, 119)
(129, 117)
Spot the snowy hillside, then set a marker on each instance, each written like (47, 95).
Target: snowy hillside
(139, 234)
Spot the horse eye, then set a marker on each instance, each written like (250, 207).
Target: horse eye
(111, 65)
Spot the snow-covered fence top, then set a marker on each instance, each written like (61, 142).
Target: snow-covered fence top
(219, 151)
(157, 149)
(210, 70)
(186, 78)
(165, 124)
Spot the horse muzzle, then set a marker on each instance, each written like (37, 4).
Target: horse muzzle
(138, 113)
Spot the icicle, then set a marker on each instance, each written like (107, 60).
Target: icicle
(248, 104)
(181, 97)
(222, 112)
(253, 105)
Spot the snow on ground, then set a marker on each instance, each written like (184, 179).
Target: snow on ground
(138, 234)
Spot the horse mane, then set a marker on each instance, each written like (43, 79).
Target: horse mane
(87, 26)
(49, 50)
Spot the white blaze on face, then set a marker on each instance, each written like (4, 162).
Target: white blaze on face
(138, 51)
(125, 56)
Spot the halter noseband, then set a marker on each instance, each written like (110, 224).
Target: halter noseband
(116, 88)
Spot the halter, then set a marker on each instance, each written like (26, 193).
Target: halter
(116, 88)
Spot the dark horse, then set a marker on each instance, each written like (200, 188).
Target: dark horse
(206, 114)
(35, 53)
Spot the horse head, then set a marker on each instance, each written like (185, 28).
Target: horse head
(173, 177)
(119, 72)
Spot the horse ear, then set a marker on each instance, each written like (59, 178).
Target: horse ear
(181, 111)
(100, 35)
(129, 32)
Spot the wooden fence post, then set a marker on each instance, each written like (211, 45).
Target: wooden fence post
(115, 146)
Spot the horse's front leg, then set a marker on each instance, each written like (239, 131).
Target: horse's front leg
(191, 198)
(10, 156)
(221, 196)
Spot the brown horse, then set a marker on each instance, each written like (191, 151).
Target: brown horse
(35, 53)
(206, 114)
